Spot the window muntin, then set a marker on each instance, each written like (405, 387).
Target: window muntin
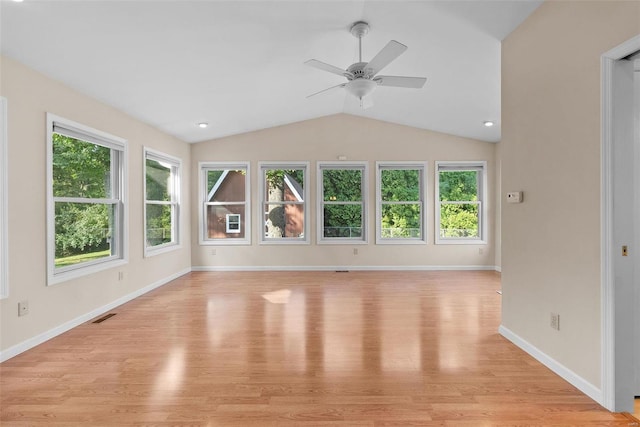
(224, 193)
(86, 208)
(460, 206)
(162, 201)
(400, 202)
(4, 241)
(283, 202)
(342, 190)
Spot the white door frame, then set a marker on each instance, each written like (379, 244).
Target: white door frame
(608, 251)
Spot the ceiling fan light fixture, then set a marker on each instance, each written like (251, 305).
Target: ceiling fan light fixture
(361, 87)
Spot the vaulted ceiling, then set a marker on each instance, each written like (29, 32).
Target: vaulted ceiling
(239, 65)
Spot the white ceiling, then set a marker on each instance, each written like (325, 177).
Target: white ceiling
(238, 65)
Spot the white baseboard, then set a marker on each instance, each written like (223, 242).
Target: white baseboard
(51, 333)
(567, 374)
(342, 267)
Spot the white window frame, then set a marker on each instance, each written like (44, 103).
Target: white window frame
(4, 202)
(320, 202)
(263, 167)
(233, 219)
(422, 167)
(203, 203)
(119, 180)
(481, 167)
(174, 190)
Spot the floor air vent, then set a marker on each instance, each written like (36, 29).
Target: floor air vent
(103, 318)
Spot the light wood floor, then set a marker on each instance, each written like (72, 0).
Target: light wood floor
(296, 349)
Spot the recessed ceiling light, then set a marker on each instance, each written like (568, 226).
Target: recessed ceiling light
(203, 125)
(488, 123)
(18, 1)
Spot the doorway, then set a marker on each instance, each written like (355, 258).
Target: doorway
(620, 228)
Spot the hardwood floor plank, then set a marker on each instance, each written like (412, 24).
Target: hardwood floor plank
(325, 349)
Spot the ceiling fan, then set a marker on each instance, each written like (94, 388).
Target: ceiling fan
(363, 77)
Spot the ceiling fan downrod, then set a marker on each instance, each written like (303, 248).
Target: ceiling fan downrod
(359, 30)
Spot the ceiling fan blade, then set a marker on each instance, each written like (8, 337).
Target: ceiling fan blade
(327, 89)
(400, 81)
(328, 67)
(391, 51)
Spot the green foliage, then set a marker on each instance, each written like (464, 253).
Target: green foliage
(81, 228)
(275, 177)
(343, 185)
(81, 169)
(458, 186)
(400, 220)
(458, 219)
(340, 219)
(159, 228)
(400, 185)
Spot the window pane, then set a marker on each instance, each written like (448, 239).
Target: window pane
(400, 185)
(159, 230)
(226, 185)
(217, 221)
(284, 185)
(83, 232)
(158, 181)
(80, 168)
(342, 221)
(458, 186)
(459, 220)
(342, 185)
(284, 219)
(400, 221)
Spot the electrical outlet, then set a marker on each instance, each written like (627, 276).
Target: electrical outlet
(355, 251)
(120, 276)
(214, 252)
(23, 308)
(555, 321)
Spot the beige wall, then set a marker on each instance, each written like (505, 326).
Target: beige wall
(358, 139)
(30, 96)
(550, 149)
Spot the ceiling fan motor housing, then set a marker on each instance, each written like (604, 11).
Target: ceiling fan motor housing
(358, 71)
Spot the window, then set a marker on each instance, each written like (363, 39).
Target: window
(86, 207)
(225, 201)
(233, 223)
(161, 207)
(460, 190)
(342, 190)
(4, 238)
(283, 202)
(400, 202)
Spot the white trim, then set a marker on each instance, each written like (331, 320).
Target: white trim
(362, 166)
(606, 226)
(567, 374)
(419, 165)
(203, 199)
(173, 162)
(344, 268)
(483, 212)
(60, 329)
(4, 202)
(120, 179)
